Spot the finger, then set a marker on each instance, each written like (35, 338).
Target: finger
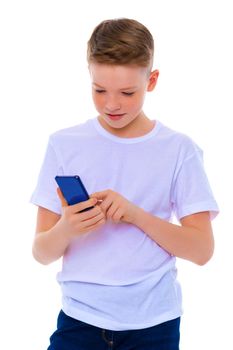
(112, 210)
(88, 214)
(96, 225)
(100, 195)
(117, 216)
(93, 220)
(106, 204)
(61, 197)
(83, 205)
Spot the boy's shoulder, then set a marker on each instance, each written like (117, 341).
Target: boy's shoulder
(73, 130)
(77, 133)
(178, 140)
(171, 133)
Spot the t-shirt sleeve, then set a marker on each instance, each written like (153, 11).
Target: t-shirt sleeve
(45, 193)
(192, 192)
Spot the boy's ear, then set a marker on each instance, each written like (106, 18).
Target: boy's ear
(152, 80)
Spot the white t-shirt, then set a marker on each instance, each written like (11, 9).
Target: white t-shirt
(117, 277)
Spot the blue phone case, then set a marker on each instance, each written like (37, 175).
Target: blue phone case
(73, 190)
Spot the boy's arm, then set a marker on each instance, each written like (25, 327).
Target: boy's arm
(55, 232)
(49, 243)
(193, 240)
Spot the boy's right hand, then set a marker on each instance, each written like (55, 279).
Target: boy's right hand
(74, 223)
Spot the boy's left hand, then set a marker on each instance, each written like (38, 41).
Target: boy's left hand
(115, 206)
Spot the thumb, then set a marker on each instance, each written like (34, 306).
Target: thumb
(96, 196)
(61, 197)
(99, 195)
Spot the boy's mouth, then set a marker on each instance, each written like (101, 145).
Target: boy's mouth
(115, 116)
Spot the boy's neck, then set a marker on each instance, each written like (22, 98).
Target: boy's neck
(140, 126)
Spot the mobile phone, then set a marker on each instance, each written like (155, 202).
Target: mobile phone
(73, 190)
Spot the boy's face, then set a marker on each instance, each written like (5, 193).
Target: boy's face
(118, 93)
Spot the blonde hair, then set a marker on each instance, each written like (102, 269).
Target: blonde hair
(121, 41)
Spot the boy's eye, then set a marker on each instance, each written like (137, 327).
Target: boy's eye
(128, 93)
(99, 91)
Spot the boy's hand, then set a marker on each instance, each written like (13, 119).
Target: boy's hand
(74, 223)
(115, 206)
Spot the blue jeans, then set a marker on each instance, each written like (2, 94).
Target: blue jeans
(72, 334)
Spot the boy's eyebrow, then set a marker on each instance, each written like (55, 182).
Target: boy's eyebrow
(126, 88)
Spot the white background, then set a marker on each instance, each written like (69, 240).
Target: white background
(44, 86)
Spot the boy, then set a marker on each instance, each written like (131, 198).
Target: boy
(118, 278)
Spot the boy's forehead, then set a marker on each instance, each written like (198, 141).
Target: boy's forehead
(121, 76)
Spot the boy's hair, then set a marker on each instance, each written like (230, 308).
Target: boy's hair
(121, 41)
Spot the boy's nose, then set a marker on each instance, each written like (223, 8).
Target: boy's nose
(112, 105)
